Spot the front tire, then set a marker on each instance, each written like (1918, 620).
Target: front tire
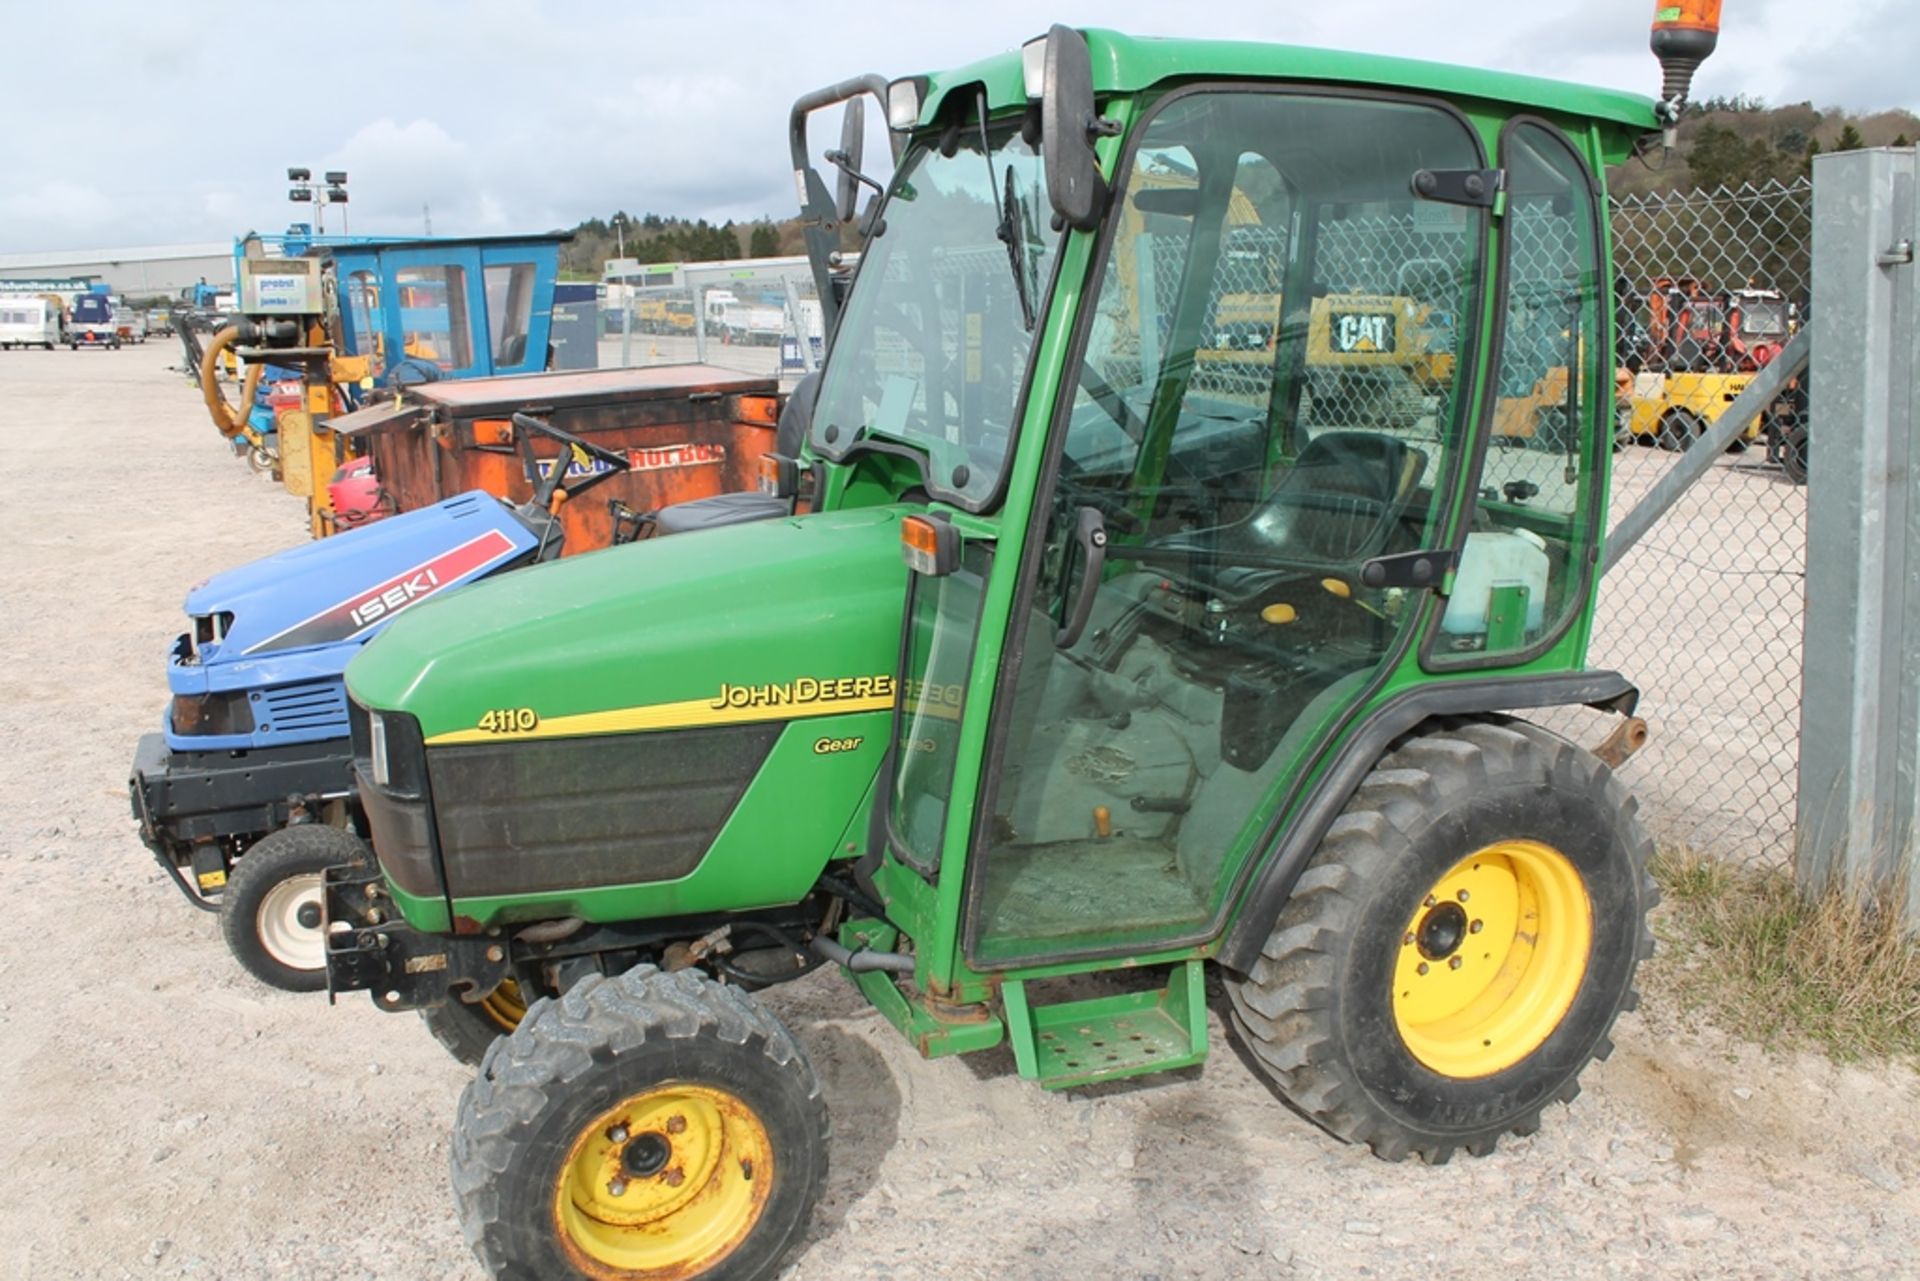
(1460, 946)
(468, 1031)
(271, 910)
(652, 1124)
(1679, 429)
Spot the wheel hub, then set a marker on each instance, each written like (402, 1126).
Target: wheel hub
(1491, 959)
(667, 1182)
(288, 922)
(1441, 931)
(645, 1156)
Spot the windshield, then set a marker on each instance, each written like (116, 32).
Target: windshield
(1764, 318)
(932, 347)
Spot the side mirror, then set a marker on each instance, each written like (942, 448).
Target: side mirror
(1067, 118)
(853, 142)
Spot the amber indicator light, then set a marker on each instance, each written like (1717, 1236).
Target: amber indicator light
(930, 547)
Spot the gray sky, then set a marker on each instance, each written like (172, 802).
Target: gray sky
(524, 115)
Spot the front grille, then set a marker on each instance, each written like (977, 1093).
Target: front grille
(561, 814)
(291, 709)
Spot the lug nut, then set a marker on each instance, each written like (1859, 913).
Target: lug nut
(1463, 896)
(1454, 964)
(495, 954)
(675, 1177)
(618, 1187)
(1476, 927)
(676, 1124)
(1431, 900)
(1408, 940)
(1423, 967)
(618, 1134)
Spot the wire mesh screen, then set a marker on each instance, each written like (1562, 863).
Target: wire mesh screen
(1380, 326)
(1706, 613)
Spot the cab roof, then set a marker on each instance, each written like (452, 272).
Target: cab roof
(1125, 64)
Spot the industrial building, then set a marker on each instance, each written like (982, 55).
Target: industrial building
(135, 273)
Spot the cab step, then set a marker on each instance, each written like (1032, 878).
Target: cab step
(1109, 1037)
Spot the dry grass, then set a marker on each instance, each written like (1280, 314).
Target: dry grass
(1745, 948)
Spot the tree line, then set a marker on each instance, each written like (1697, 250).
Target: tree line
(1742, 140)
(661, 238)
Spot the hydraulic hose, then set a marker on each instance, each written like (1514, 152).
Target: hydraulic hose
(225, 420)
(864, 959)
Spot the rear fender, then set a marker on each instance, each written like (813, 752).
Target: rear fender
(1262, 901)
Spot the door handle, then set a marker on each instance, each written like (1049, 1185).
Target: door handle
(1090, 532)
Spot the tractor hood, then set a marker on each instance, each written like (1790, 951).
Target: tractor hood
(344, 588)
(774, 620)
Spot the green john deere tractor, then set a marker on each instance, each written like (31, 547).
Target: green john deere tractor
(1074, 666)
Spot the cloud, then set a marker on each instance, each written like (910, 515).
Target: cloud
(56, 210)
(525, 115)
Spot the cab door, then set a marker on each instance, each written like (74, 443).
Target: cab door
(518, 283)
(433, 310)
(1198, 598)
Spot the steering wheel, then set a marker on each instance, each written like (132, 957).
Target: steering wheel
(572, 450)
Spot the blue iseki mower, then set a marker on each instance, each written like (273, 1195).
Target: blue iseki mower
(253, 759)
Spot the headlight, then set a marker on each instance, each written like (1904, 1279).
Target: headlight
(903, 103)
(377, 752)
(211, 714)
(1033, 67)
(388, 750)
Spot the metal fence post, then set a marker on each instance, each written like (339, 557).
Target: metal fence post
(626, 326)
(1859, 794)
(699, 324)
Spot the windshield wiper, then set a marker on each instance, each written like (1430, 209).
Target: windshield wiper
(1003, 206)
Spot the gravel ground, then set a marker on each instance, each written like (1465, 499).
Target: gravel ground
(167, 1117)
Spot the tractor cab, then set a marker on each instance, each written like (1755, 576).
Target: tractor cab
(1762, 322)
(1162, 600)
(1106, 645)
(427, 310)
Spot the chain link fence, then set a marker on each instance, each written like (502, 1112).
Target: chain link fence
(1706, 614)
(755, 327)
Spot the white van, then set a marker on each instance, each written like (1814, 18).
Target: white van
(30, 322)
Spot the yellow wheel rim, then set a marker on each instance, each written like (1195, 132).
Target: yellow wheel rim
(664, 1184)
(1491, 959)
(505, 1005)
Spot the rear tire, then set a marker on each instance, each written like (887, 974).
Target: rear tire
(665, 1100)
(270, 910)
(1380, 1046)
(1793, 454)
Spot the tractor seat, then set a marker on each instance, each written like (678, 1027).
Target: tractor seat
(1339, 505)
(747, 505)
(722, 509)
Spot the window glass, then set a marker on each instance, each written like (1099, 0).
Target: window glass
(364, 319)
(509, 310)
(1267, 402)
(1521, 562)
(943, 619)
(932, 347)
(433, 315)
